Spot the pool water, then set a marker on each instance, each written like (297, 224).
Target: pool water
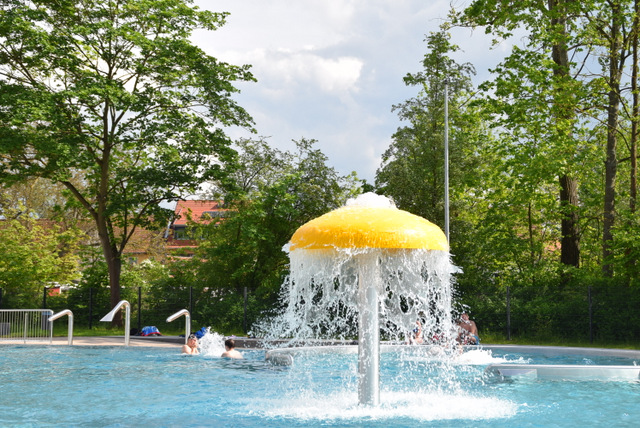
(60, 386)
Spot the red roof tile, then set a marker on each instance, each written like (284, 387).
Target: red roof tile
(195, 210)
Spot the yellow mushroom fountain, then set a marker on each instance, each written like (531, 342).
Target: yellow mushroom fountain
(367, 261)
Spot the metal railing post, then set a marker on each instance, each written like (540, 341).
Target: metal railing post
(590, 316)
(187, 322)
(127, 321)
(70, 329)
(508, 313)
(26, 327)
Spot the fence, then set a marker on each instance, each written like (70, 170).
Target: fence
(148, 308)
(26, 325)
(598, 313)
(593, 314)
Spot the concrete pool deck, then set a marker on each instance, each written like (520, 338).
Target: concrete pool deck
(150, 341)
(165, 341)
(253, 343)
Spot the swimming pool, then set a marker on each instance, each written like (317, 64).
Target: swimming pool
(138, 386)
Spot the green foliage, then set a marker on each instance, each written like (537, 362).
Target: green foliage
(550, 308)
(555, 103)
(412, 170)
(117, 91)
(34, 255)
(274, 193)
(169, 292)
(547, 106)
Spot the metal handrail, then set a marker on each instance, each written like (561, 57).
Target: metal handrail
(187, 315)
(127, 322)
(18, 324)
(70, 330)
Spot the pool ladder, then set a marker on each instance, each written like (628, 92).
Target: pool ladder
(127, 322)
(127, 318)
(187, 316)
(70, 330)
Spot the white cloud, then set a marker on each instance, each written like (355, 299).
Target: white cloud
(290, 69)
(331, 70)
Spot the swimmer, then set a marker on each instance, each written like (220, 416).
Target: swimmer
(192, 345)
(230, 346)
(468, 331)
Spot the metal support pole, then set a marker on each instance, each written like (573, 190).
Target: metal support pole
(590, 316)
(446, 158)
(44, 298)
(139, 309)
(368, 331)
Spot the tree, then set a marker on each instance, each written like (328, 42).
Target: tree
(553, 88)
(556, 72)
(32, 256)
(36, 197)
(610, 32)
(275, 193)
(412, 168)
(115, 91)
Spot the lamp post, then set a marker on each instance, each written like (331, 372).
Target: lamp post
(446, 158)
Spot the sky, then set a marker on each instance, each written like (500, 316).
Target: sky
(331, 70)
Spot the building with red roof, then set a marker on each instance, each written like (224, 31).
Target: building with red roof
(188, 212)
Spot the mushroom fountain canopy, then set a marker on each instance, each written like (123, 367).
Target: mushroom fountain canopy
(408, 256)
(371, 221)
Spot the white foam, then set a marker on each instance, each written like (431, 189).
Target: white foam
(371, 200)
(478, 357)
(427, 406)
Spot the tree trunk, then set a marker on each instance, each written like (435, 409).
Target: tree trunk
(114, 265)
(570, 251)
(633, 179)
(570, 233)
(611, 161)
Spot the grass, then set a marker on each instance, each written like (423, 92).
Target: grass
(102, 330)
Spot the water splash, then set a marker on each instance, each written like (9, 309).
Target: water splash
(343, 408)
(371, 272)
(417, 387)
(320, 298)
(211, 344)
